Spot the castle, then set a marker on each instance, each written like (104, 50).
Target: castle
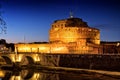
(67, 36)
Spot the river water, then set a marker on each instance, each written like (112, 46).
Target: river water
(33, 74)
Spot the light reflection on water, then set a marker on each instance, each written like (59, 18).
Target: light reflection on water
(48, 75)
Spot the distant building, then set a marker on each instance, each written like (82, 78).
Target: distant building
(110, 47)
(68, 36)
(3, 47)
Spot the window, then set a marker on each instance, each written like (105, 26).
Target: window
(83, 29)
(61, 24)
(90, 30)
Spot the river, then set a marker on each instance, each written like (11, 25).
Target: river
(33, 74)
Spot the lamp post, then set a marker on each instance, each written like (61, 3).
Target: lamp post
(117, 45)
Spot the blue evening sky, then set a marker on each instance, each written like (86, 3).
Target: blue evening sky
(30, 20)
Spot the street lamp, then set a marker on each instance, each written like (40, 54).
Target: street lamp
(118, 44)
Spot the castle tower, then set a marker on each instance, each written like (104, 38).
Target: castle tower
(73, 30)
(75, 33)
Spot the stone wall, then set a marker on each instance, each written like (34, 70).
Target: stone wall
(100, 62)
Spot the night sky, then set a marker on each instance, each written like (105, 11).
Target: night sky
(30, 20)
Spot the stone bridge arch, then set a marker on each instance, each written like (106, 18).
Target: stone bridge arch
(27, 60)
(7, 59)
(30, 59)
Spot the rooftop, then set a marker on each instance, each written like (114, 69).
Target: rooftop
(73, 22)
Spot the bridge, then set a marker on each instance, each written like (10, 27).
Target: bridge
(24, 58)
